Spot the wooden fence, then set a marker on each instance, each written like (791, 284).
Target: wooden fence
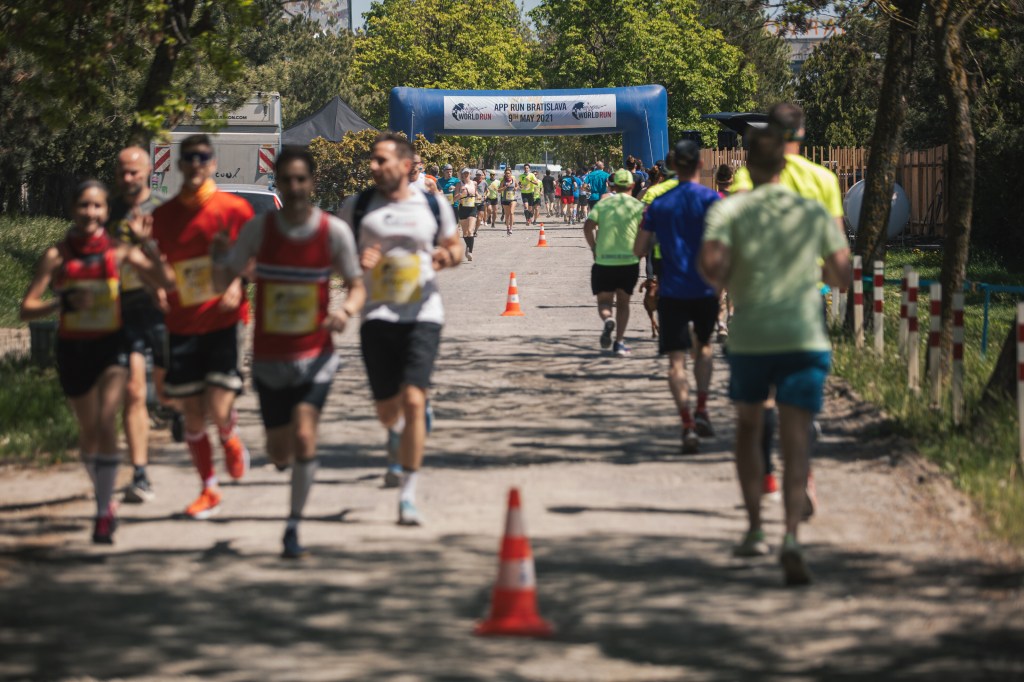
(920, 173)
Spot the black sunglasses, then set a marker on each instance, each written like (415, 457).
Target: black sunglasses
(192, 157)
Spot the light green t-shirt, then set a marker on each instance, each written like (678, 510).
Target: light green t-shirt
(655, 191)
(528, 183)
(775, 239)
(618, 218)
(804, 177)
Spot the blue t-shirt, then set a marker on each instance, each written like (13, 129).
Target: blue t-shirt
(569, 185)
(448, 188)
(677, 218)
(576, 189)
(598, 181)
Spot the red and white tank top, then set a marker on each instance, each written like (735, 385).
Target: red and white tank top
(89, 263)
(292, 292)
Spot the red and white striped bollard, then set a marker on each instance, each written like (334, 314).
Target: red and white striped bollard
(877, 303)
(958, 358)
(913, 345)
(858, 302)
(903, 311)
(934, 334)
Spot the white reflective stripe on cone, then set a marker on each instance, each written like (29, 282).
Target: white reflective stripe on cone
(513, 298)
(517, 574)
(514, 526)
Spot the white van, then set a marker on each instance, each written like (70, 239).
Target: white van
(246, 148)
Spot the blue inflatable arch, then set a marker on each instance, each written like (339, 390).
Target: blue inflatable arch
(640, 113)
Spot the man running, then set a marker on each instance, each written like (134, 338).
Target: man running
(529, 187)
(597, 180)
(202, 324)
(615, 270)
(548, 182)
(404, 237)
(764, 246)
(676, 219)
(294, 363)
(569, 189)
(447, 183)
(131, 223)
(811, 181)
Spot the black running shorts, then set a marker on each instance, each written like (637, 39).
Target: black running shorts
(199, 360)
(278, 404)
(674, 317)
(467, 212)
(610, 278)
(144, 330)
(397, 354)
(81, 362)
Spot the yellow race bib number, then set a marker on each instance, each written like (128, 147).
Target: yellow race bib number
(468, 202)
(103, 315)
(510, 195)
(290, 308)
(396, 279)
(195, 280)
(451, 198)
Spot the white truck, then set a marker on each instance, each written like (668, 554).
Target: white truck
(246, 147)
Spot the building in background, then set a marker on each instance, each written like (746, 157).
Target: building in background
(802, 42)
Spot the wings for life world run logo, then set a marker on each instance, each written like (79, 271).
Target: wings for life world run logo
(582, 111)
(466, 112)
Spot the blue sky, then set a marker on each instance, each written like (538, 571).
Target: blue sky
(360, 6)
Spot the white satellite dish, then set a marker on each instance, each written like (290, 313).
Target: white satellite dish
(899, 214)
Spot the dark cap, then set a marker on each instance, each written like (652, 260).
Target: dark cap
(687, 153)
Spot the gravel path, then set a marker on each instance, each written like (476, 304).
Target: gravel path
(631, 540)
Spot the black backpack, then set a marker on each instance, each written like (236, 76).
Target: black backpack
(363, 203)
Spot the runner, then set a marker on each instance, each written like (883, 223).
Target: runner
(92, 358)
(723, 180)
(294, 363)
(143, 323)
(615, 270)
(203, 325)
(403, 237)
(466, 196)
(559, 207)
(548, 183)
(417, 176)
(581, 199)
(811, 181)
(764, 246)
(669, 183)
(447, 185)
(507, 189)
(597, 180)
(570, 188)
(529, 187)
(676, 219)
(493, 187)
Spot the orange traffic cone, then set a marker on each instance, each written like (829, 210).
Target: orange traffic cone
(512, 308)
(514, 603)
(542, 241)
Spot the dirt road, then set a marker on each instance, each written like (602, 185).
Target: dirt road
(632, 540)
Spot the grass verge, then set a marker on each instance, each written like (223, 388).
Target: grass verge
(981, 456)
(36, 424)
(22, 242)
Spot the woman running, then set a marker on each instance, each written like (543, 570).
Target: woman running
(92, 355)
(465, 196)
(508, 200)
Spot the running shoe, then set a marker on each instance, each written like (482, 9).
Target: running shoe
(292, 548)
(140, 490)
(753, 545)
(702, 424)
(622, 350)
(810, 497)
(469, 256)
(508, 231)
(236, 455)
(691, 441)
(205, 506)
(104, 527)
(408, 515)
(606, 335)
(393, 476)
(794, 569)
(771, 486)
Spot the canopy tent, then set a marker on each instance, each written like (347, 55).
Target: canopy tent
(740, 122)
(331, 122)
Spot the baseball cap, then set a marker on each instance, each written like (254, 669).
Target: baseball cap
(622, 178)
(687, 153)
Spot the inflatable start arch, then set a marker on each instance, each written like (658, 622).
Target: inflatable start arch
(640, 113)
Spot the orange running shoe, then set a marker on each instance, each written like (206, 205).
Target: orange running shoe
(771, 485)
(205, 506)
(236, 455)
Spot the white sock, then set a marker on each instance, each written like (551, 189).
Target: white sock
(302, 481)
(106, 480)
(399, 425)
(407, 493)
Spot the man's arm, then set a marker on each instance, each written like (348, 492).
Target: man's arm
(590, 234)
(643, 242)
(838, 271)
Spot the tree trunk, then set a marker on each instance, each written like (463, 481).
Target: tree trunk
(947, 28)
(884, 147)
(1002, 384)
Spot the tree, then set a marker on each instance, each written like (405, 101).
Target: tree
(447, 44)
(635, 42)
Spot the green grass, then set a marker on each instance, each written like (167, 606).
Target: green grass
(22, 242)
(980, 457)
(36, 424)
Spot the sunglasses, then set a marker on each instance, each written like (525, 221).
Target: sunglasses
(192, 157)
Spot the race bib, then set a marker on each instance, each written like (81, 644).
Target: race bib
(195, 280)
(451, 198)
(510, 195)
(396, 279)
(103, 315)
(468, 202)
(290, 308)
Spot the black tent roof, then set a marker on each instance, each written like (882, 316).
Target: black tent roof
(331, 122)
(740, 122)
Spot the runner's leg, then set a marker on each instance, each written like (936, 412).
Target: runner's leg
(621, 314)
(136, 426)
(794, 436)
(749, 417)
